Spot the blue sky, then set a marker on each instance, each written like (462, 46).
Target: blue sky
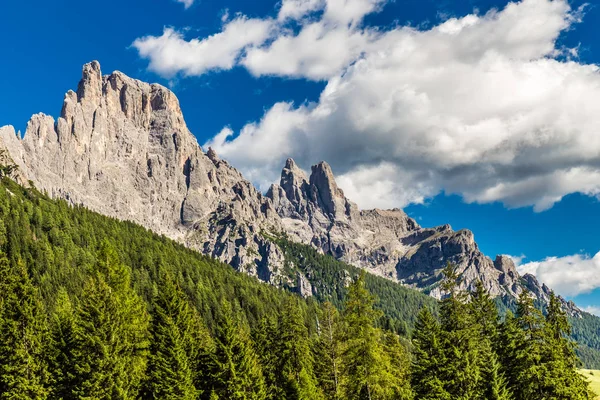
(495, 108)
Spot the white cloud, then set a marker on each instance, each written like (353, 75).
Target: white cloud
(592, 310)
(296, 9)
(481, 106)
(186, 3)
(171, 53)
(568, 276)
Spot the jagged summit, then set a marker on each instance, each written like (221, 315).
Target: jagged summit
(121, 147)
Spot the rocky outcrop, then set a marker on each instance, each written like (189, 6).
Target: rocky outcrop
(121, 147)
(387, 242)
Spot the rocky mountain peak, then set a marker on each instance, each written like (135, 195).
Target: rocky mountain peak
(294, 183)
(121, 147)
(90, 86)
(325, 191)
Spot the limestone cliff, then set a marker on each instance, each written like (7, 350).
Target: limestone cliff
(121, 147)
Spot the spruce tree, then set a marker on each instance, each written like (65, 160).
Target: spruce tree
(485, 317)
(264, 337)
(529, 367)
(237, 373)
(328, 352)
(510, 347)
(63, 344)
(561, 378)
(365, 373)
(428, 360)
(23, 336)
(462, 373)
(111, 334)
(296, 364)
(398, 367)
(179, 341)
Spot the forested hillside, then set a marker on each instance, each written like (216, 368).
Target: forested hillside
(95, 308)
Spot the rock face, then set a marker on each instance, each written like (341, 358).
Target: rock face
(385, 242)
(121, 147)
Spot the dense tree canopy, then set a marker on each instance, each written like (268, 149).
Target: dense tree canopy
(95, 308)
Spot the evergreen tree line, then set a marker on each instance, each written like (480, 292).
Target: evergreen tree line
(95, 308)
(107, 344)
(468, 353)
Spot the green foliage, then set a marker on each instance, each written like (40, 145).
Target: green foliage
(327, 349)
(367, 368)
(329, 278)
(180, 343)
(237, 374)
(429, 359)
(297, 377)
(95, 308)
(23, 336)
(111, 333)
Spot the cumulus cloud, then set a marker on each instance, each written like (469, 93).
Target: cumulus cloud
(484, 106)
(171, 53)
(568, 276)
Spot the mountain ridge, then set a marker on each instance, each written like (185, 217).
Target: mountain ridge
(121, 147)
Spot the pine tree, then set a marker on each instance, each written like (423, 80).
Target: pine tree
(398, 367)
(461, 373)
(364, 365)
(179, 340)
(296, 373)
(428, 359)
(111, 334)
(23, 336)
(63, 344)
(510, 347)
(485, 316)
(237, 373)
(529, 380)
(328, 352)
(561, 378)
(267, 345)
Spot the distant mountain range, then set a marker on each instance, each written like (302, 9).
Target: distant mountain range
(121, 147)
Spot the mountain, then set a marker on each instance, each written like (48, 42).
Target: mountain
(121, 147)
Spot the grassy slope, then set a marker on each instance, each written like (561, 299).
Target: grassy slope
(593, 375)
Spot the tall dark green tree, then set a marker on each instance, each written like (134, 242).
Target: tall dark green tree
(485, 317)
(462, 373)
(510, 347)
(296, 369)
(237, 373)
(327, 349)
(365, 367)
(63, 343)
(111, 334)
(267, 344)
(530, 369)
(398, 367)
(561, 379)
(23, 336)
(179, 344)
(429, 359)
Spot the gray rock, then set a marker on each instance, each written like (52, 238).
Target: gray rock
(121, 147)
